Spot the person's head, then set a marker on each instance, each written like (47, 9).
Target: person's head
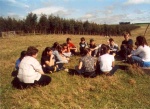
(141, 41)
(64, 45)
(55, 45)
(68, 40)
(86, 51)
(47, 52)
(23, 54)
(82, 39)
(32, 51)
(92, 41)
(60, 48)
(111, 41)
(126, 35)
(104, 49)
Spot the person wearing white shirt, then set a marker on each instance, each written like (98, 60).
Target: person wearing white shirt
(106, 61)
(141, 55)
(30, 71)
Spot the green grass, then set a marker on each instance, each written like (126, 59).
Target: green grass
(127, 89)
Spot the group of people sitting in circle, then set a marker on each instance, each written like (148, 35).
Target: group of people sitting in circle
(94, 59)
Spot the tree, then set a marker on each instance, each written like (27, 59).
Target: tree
(31, 22)
(43, 24)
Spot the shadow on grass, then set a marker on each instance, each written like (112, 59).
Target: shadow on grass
(85, 75)
(73, 72)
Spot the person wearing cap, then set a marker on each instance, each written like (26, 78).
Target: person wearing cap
(82, 45)
(113, 46)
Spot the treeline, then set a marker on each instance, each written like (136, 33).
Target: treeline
(56, 25)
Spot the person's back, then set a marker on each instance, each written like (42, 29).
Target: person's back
(88, 63)
(28, 70)
(106, 62)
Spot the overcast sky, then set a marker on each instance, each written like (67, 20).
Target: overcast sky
(98, 11)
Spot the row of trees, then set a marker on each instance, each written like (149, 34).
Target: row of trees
(56, 25)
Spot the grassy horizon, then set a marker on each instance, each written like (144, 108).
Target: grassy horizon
(126, 89)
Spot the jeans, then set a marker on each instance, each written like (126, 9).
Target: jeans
(114, 69)
(138, 60)
(79, 71)
(146, 64)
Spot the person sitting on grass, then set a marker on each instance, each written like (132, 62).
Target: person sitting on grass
(63, 57)
(86, 65)
(59, 61)
(141, 55)
(48, 61)
(106, 62)
(71, 46)
(66, 50)
(15, 71)
(113, 46)
(126, 46)
(92, 46)
(82, 45)
(30, 71)
(95, 49)
(22, 55)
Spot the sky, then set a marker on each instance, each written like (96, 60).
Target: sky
(98, 11)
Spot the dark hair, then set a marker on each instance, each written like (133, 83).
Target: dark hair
(68, 39)
(32, 51)
(91, 40)
(86, 51)
(60, 49)
(55, 45)
(47, 49)
(64, 44)
(140, 40)
(22, 54)
(104, 49)
(111, 39)
(82, 39)
(126, 33)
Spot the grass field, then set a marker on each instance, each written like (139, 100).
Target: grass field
(127, 89)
